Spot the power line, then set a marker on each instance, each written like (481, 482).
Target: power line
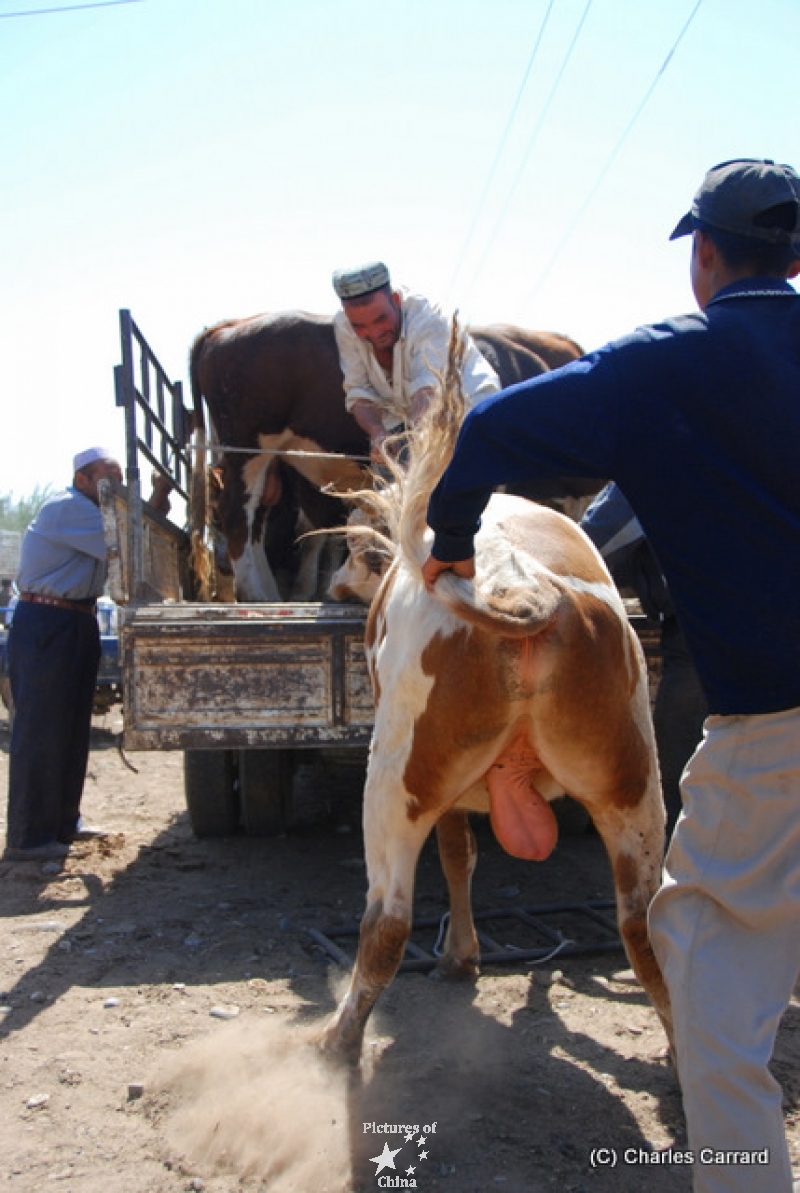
(41, 12)
(612, 157)
(531, 142)
(500, 148)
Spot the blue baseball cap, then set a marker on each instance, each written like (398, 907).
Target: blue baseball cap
(740, 196)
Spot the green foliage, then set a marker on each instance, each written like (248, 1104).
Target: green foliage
(18, 514)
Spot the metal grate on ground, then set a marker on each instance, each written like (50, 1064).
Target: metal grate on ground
(507, 935)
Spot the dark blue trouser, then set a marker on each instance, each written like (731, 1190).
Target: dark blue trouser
(53, 658)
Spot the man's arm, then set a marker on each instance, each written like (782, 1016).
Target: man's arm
(369, 417)
(433, 568)
(559, 424)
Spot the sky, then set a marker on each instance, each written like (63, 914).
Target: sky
(195, 160)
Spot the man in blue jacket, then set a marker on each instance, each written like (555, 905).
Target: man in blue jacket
(697, 419)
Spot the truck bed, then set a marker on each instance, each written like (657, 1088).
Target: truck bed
(199, 676)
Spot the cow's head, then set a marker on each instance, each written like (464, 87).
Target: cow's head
(369, 553)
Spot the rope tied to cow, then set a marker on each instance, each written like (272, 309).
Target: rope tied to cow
(290, 452)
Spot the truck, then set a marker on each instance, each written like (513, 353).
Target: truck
(242, 689)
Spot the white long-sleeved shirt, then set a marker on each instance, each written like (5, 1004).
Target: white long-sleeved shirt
(420, 357)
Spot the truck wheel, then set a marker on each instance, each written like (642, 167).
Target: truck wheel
(266, 779)
(211, 796)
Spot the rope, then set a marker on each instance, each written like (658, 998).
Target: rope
(276, 451)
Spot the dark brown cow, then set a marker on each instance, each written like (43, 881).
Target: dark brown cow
(273, 384)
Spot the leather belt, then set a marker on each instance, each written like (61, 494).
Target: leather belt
(41, 598)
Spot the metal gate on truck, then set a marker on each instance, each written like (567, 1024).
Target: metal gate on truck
(157, 430)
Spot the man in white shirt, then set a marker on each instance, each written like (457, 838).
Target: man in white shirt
(392, 349)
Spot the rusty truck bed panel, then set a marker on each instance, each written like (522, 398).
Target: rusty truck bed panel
(233, 676)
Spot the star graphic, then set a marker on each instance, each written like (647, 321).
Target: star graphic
(409, 1136)
(409, 1170)
(422, 1156)
(421, 1140)
(385, 1159)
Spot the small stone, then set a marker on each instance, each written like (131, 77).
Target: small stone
(37, 1101)
(135, 1090)
(224, 1012)
(38, 996)
(5, 1010)
(111, 1002)
(196, 1185)
(193, 940)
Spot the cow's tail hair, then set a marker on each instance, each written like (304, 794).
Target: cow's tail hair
(521, 610)
(430, 448)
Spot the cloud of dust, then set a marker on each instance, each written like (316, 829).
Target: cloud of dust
(257, 1100)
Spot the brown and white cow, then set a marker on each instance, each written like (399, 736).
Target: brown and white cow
(497, 695)
(273, 384)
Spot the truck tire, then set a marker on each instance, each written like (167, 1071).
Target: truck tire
(266, 779)
(211, 795)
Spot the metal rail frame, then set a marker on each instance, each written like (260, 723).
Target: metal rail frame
(155, 428)
(420, 960)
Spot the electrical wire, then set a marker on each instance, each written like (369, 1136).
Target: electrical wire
(529, 149)
(500, 149)
(40, 12)
(610, 159)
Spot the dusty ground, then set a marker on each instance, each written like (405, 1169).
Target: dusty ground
(157, 994)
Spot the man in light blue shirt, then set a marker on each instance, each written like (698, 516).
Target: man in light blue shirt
(53, 658)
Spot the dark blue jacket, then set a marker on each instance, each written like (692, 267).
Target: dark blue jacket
(698, 421)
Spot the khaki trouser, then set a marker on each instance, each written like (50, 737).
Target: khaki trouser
(726, 929)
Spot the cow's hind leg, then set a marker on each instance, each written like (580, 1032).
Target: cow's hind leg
(392, 842)
(634, 839)
(458, 854)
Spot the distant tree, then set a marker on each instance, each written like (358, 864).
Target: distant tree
(18, 514)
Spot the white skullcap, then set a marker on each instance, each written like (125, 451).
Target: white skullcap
(91, 456)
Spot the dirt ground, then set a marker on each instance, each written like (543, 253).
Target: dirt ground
(157, 996)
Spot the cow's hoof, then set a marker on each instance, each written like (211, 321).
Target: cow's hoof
(455, 969)
(336, 1048)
